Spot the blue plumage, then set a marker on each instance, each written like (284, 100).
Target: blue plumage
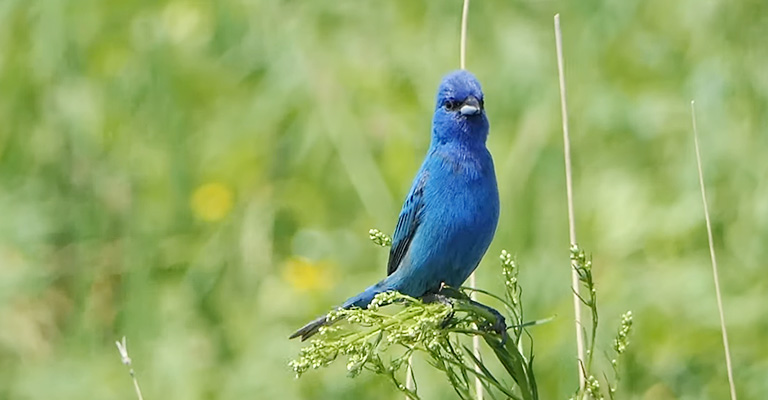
(451, 212)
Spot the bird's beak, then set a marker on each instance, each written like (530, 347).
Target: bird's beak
(471, 106)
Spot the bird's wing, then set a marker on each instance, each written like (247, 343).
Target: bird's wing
(407, 223)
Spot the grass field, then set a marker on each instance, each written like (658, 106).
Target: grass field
(201, 177)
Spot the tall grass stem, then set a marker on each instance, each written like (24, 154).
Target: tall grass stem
(715, 274)
(463, 41)
(569, 193)
(472, 279)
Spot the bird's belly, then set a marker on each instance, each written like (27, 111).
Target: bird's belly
(457, 235)
(463, 207)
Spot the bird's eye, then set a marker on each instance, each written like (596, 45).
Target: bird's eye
(451, 105)
(482, 104)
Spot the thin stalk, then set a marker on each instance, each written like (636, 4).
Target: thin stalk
(569, 193)
(724, 331)
(472, 279)
(122, 348)
(463, 45)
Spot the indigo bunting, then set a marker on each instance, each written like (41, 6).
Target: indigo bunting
(450, 214)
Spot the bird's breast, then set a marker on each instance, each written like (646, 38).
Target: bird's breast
(459, 163)
(463, 190)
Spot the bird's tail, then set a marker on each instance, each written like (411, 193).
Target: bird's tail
(361, 300)
(310, 329)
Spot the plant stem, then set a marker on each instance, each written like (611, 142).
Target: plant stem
(728, 365)
(472, 281)
(122, 348)
(569, 193)
(463, 45)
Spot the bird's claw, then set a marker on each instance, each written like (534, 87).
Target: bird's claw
(440, 298)
(447, 319)
(447, 296)
(437, 298)
(500, 326)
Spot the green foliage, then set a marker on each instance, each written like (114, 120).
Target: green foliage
(592, 390)
(369, 337)
(380, 238)
(620, 344)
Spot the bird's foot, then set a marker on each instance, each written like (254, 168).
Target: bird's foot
(499, 325)
(447, 295)
(440, 298)
(437, 298)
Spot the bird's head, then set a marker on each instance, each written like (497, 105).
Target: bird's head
(460, 110)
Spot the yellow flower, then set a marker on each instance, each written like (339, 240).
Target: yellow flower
(212, 201)
(306, 275)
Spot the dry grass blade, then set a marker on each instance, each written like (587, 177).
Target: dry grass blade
(122, 347)
(724, 331)
(472, 280)
(463, 46)
(569, 192)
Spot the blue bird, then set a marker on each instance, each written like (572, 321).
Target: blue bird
(450, 214)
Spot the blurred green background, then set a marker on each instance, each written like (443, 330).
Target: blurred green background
(201, 177)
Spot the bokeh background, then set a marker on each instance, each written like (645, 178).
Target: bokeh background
(201, 177)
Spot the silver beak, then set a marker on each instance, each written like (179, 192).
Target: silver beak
(471, 106)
